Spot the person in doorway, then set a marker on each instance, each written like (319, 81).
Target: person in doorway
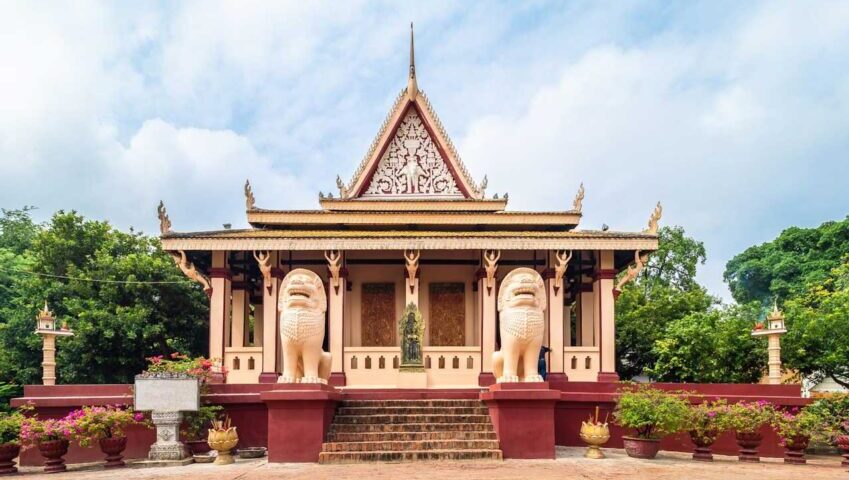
(541, 364)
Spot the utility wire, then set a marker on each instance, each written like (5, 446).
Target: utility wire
(92, 280)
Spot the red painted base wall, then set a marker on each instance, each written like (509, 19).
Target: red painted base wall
(243, 403)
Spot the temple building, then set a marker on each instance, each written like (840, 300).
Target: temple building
(411, 226)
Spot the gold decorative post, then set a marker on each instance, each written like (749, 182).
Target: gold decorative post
(773, 330)
(46, 327)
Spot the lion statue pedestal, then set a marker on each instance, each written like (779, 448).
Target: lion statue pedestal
(302, 306)
(521, 303)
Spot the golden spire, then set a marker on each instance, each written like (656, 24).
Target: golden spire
(412, 86)
(776, 313)
(45, 313)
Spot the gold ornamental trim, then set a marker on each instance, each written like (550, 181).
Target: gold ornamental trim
(407, 218)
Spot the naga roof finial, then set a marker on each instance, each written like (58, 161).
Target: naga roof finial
(250, 201)
(164, 221)
(412, 85)
(655, 217)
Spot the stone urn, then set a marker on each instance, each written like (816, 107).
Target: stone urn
(646, 448)
(223, 441)
(8, 453)
(703, 443)
(594, 435)
(749, 442)
(794, 449)
(53, 451)
(843, 444)
(113, 447)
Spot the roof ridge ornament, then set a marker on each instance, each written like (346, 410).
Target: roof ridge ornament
(578, 203)
(164, 221)
(250, 201)
(655, 217)
(412, 84)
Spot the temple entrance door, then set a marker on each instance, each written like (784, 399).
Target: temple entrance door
(447, 314)
(377, 313)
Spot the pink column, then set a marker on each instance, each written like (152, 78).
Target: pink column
(270, 332)
(487, 314)
(603, 287)
(554, 312)
(219, 305)
(336, 307)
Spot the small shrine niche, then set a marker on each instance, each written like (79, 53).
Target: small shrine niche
(411, 329)
(45, 319)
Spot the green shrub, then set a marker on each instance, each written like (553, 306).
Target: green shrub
(749, 417)
(651, 412)
(833, 412)
(10, 427)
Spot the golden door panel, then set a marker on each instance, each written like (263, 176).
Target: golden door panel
(447, 320)
(378, 314)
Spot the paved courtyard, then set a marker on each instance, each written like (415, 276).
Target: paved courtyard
(569, 464)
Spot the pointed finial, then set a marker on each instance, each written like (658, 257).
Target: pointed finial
(412, 85)
(578, 203)
(164, 221)
(45, 313)
(655, 217)
(343, 192)
(484, 184)
(250, 201)
(776, 313)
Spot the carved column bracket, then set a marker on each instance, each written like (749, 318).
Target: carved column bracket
(190, 271)
(633, 270)
(561, 263)
(411, 257)
(334, 265)
(263, 258)
(490, 265)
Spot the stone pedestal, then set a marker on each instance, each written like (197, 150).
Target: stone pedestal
(523, 416)
(299, 416)
(168, 445)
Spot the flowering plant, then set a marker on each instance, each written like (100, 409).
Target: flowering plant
(749, 417)
(180, 364)
(707, 420)
(833, 411)
(95, 423)
(195, 424)
(793, 424)
(651, 412)
(10, 427)
(35, 430)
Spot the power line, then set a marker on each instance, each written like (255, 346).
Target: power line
(92, 280)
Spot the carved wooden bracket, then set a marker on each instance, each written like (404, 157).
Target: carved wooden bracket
(411, 257)
(264, 261)
(562, 261)
(190, 271)
(633, 270)
(334, 264)
(490, 265)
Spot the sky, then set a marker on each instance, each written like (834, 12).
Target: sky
(734, 114)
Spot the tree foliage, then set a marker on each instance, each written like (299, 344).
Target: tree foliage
(783, 267)
(817, 340)
(665, 291)
(116, 325)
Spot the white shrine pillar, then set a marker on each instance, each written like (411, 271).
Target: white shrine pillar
(603, 287)
(270, 337)
(555, 323)
(337, 288)
(219, 305)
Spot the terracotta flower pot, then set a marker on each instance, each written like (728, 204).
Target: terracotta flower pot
(198, 447)
(53, 451)
(703, 443)
(843, 443)
(749, 442)
(112, 447)
(8, 453)
(794, 449)
(641, 447)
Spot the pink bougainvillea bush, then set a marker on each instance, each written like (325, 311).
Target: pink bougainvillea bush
(91, 424)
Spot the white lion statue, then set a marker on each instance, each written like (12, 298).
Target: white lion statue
(521, 302)
(302, 305)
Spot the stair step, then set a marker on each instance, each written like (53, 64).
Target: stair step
(411, 427)
(412, 403)
(382, 446)
(412, 410)
(408, 456)
(399, 419)
(409, 436)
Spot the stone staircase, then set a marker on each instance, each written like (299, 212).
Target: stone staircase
(410, 430)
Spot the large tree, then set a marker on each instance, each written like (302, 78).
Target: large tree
(665, 291)
(121, 294)
(817, 340)
(710, 347)
(783, 267)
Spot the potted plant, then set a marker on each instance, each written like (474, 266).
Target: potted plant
(746, 419)
(107, 426)
(705, 422)
(195, 428)
(10, 440)
(795, 429)
(652, 413)
(51, 436)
